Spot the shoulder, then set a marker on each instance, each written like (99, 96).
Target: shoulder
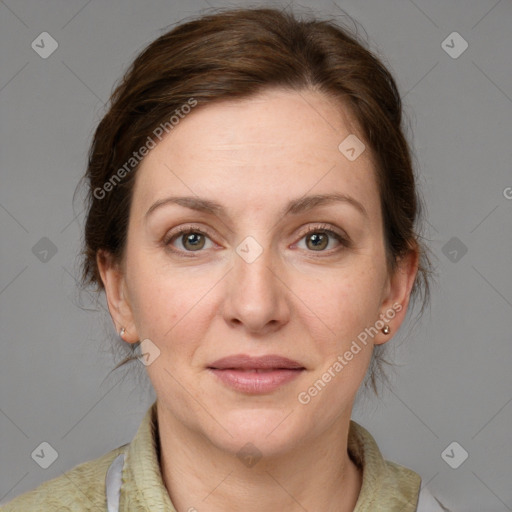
(81, 488)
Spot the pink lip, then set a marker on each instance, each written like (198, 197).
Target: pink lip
(256, 374)
(256, 381)
(246, 362)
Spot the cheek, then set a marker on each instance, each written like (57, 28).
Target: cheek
(340, 305)
(156, 310)
(343, 308)
(171, 309)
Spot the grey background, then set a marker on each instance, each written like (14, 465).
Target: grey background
(454, 381)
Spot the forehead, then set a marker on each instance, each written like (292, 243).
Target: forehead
(276, 146)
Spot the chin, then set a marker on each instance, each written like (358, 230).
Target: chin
(272, 431)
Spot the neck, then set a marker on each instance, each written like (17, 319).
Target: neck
(317, 475)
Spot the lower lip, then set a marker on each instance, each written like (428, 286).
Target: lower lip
(256, 382)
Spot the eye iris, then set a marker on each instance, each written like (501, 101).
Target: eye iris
(319, 240)
(195, 239)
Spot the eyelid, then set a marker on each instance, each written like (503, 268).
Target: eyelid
(182, 230)
(325, 227)
(185, 228)
(340, 235)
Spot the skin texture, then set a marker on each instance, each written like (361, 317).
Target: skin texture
(295, 300)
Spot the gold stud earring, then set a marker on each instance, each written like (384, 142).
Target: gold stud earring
(386, 329)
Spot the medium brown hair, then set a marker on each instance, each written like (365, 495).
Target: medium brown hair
(235, 54)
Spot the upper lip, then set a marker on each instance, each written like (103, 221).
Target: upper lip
(246, 362)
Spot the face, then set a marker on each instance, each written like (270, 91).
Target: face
(277, 250)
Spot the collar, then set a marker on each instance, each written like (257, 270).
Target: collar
(385, 486)
(143, 487)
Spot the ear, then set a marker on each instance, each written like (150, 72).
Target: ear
(397, 293)
(115, 291)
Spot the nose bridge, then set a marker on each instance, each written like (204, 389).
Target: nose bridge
(253, 268)
(255, 295)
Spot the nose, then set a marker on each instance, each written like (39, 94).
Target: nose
(256, 297)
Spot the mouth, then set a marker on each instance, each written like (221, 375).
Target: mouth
(255, 375)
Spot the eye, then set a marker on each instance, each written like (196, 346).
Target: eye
(190, 238)
(317, 238)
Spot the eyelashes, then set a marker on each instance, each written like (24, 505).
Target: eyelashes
(324, 230)
(182, 232)
(199, 241)
(185, 232)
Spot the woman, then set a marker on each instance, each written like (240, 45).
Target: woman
(252, 221)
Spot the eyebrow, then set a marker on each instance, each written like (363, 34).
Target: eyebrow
(294, 207)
